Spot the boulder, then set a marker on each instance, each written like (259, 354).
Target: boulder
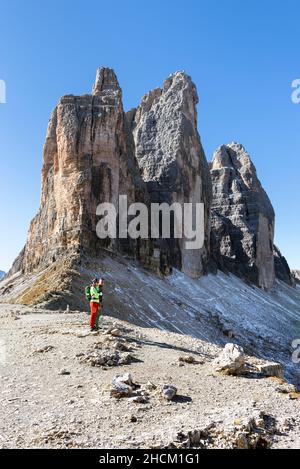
(271, 369)
(122, 386)
(231, 360)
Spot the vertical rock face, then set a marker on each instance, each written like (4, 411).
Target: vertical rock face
(282, 269)
(172, 161)
(93, 153)
(88, 159)
(242, 217)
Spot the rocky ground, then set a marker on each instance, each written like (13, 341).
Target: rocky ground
(56, 389)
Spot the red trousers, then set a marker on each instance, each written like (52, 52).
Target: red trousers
(94, 312)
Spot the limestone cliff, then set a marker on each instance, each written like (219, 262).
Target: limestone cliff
(242, 217)
(172, 161)
(88, 159)
(93, 153)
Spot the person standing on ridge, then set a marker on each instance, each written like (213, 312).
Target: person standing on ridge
(95, 298)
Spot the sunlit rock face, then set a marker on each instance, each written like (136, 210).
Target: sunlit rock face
(88, 159)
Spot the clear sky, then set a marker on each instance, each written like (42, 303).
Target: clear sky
(242, 55)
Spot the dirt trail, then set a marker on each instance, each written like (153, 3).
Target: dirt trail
(51, 396)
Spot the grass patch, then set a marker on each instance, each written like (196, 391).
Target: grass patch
(53, 281)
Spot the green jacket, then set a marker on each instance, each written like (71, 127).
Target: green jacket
(96, 294)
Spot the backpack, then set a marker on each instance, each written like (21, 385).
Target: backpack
(87, 292)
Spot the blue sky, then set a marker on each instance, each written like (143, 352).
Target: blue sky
(242, 55)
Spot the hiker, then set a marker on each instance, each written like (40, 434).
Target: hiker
(94, 295)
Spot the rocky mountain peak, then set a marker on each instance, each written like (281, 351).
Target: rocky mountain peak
(166, 116)
(233, 164)
(106, 80)
(180, 80)
(242, 217)
(235, 156)
(171, 158)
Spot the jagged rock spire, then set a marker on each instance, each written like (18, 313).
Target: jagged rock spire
(88, 159)
(106, 79)
(242, 217)
(172, 160)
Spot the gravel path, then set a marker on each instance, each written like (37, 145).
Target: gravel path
(52, 397)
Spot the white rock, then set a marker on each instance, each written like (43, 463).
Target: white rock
(125, 378)
(122, 386)
(271, 369)
(231, 360)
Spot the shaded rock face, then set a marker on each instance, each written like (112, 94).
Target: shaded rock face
(282, 269)
(242, 218)
(88, 159)
(172, 161)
